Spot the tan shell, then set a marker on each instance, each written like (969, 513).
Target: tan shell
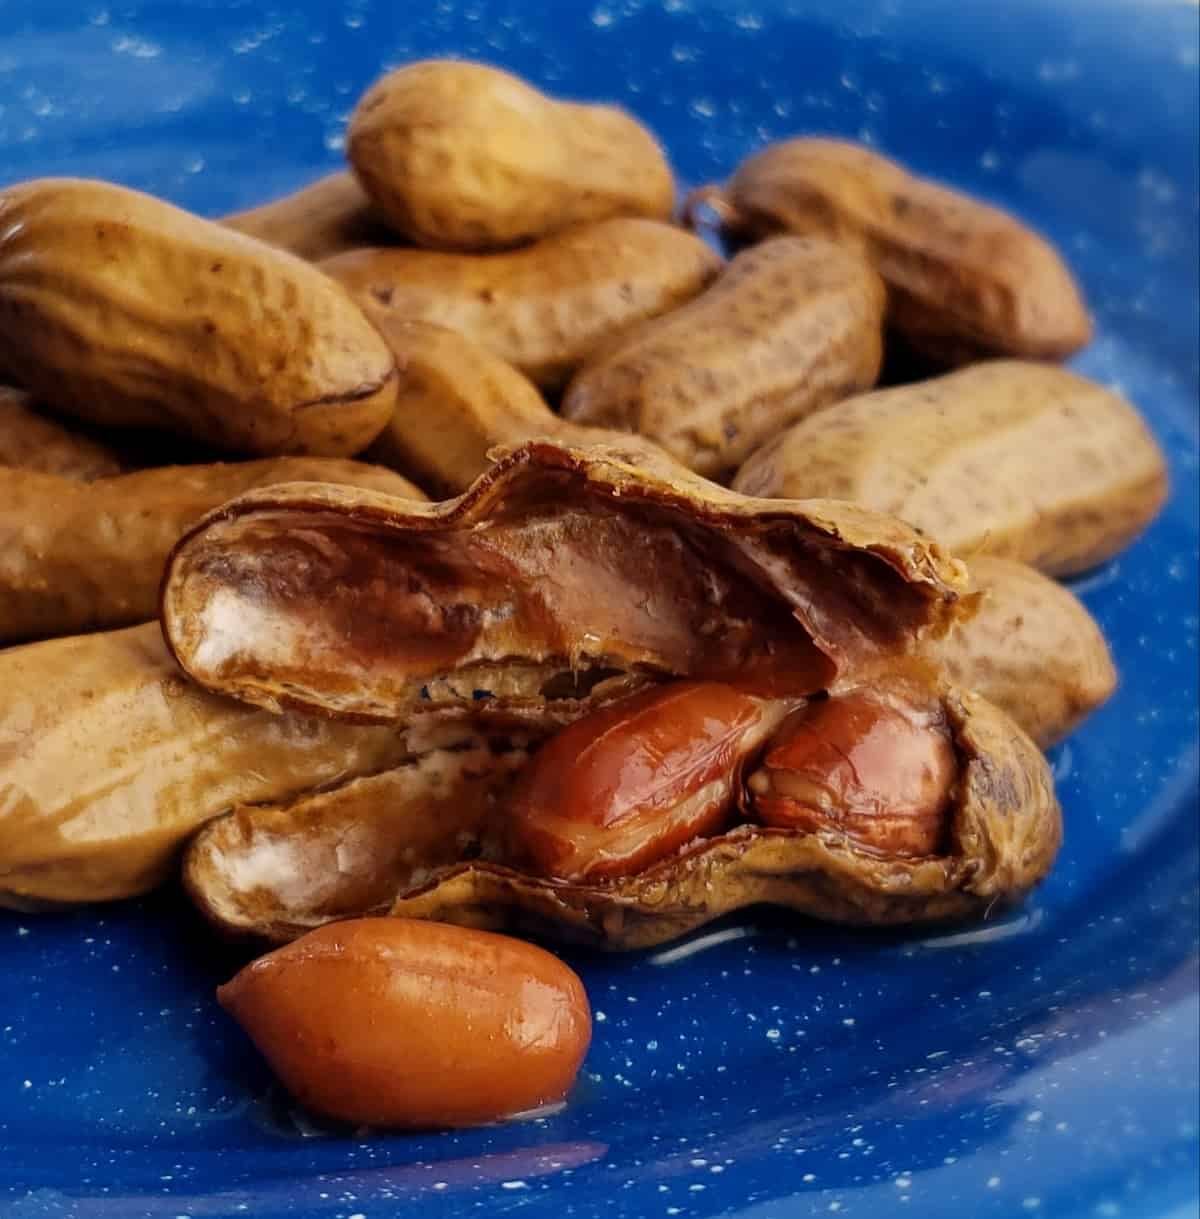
(324, 218)
(1006, 829)
(1009, 458)
(110, 759)
(964, 279)
(1031, 648)
(557, 566)
(30, 440)
(279, 870)
(792, 325)
(466, 157)
(123, 310)
(457, 403)
(544, 308)
(80, 556)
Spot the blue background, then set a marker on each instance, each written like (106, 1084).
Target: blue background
(1045, 1063)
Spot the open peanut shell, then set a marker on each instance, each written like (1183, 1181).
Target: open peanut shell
(560, 577)
(278, 870)
(416, 843)
(1005, 829)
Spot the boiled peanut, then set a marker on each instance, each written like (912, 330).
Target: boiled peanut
(30, 440)
(110, 759)
(868, 764)
(277, 870)
(633, 782)
(964, 279)
(1032, 649)
(327, 217)
(792, 325)
(544, 308)
(1002, 828)
(557, 569)
(456, 402)
(1009, 458)
(121, 309)
(462, 156)
(390, 1022)
(79, 556)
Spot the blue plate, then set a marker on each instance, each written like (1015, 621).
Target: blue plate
(1044, 1063)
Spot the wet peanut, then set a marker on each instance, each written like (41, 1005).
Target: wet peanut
(391, 1022)
(123, 310)
(792, 325)
(278, 870)
(964, 279)
(1032, 649)
(81, 556)
(1021, 460)
(631, 783)
(110, 759)
(327, 217)
(876, 768)
(31, 440)
(456, 403)
(543, 308)
(462, 156)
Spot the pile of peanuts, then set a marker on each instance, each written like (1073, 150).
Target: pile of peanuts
(463, 543)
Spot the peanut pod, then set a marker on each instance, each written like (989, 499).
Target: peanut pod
(121, 309)
(791, 325)
(544, 308)
(558, 572)
(456, 402)
(110, 759)
(1004, 828)
(30, 440)
(1021, 460)
(80, 556)
(279, 870)
(327, 217)
(964, 279)
(1031, 648)
(464, 156)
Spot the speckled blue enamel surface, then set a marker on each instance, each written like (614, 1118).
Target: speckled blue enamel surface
(1044, 1063)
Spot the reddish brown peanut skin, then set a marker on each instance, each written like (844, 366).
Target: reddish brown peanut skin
(631, 783)
(393, 1022)
(880, 769)
(964, 279)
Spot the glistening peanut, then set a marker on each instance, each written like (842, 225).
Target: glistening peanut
(389, 1022)
(121, 309)
(631, 783)
(871, 765)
